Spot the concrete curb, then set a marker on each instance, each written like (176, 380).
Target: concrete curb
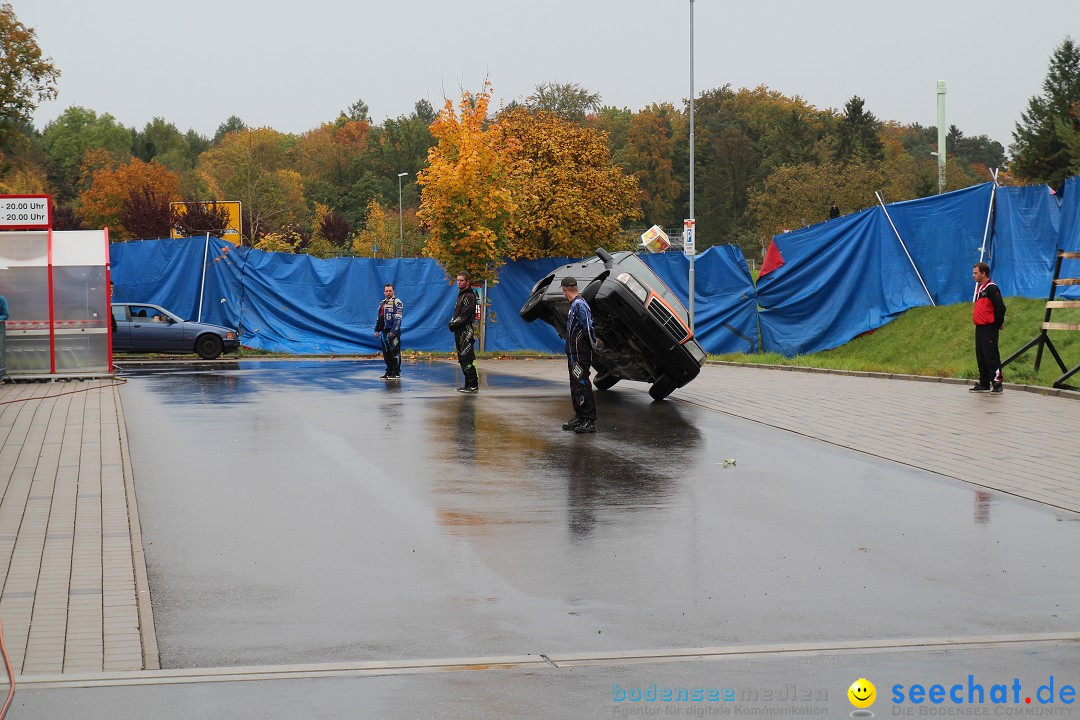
(151, 659)
(533, 662)
(1037, 389)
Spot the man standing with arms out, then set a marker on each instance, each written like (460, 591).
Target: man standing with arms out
(988, 315)
(388, 326)
(461, 324)
(580, 341)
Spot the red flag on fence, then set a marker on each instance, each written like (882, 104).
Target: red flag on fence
(773, 260)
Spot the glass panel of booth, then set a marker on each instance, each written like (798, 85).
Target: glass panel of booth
(80, 301)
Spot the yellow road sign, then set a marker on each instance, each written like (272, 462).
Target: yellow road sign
(232, 230)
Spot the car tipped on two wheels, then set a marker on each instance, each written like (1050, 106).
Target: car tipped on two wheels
(643, 328)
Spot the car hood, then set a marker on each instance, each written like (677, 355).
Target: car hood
(207, 327)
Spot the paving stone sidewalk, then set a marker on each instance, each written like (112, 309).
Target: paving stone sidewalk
(69, 601)
(1020, 443)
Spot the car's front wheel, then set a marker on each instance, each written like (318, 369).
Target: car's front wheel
(664, 386)
(208, 346)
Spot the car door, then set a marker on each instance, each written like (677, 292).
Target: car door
(121, 336)
(152, 330)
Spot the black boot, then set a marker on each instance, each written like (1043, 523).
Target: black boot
(586, 426)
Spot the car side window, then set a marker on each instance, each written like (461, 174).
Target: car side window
(120, 313)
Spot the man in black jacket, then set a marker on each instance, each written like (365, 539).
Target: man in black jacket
(461, 324)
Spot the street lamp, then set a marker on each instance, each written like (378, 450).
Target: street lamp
(692, 221)
(400, 226)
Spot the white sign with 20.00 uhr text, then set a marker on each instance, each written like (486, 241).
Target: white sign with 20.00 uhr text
(24, 211)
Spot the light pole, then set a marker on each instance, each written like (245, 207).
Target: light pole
(940, 136)
(692, 218)
(400, 226)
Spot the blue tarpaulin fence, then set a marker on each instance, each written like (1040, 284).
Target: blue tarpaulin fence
(301, 304)
(1069, 236)
(1025, 239)
(838, 279)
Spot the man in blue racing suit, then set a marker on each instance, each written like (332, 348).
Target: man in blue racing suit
(580, 341)
(388, 327)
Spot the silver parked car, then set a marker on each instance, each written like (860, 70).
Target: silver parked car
(141, 327)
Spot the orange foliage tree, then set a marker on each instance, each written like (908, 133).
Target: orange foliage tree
(465, 199)
(568, 195)
(132, 200)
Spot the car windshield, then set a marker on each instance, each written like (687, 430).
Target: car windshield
(644, 273)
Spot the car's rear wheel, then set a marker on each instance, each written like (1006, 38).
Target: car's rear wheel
(208, 346)
(664, 386)
(606, 381)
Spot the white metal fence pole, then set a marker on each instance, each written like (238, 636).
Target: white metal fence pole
(917, 274)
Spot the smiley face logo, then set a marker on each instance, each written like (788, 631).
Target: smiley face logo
(862, 693)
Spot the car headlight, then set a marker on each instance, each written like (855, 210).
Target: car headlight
(228, 336)
(632, 283)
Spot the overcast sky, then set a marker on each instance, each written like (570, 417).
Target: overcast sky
(294, 65)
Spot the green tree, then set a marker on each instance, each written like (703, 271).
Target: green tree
(197, 144)
(162, 141)
(1045, 139)
(358, 111)
(791, 139)
(741, 136)
(67, 141)
(798, 195)
(26, 78)
(230, 126)
(329, 158)
(614, 123)
(255, 167)
(979, 150)
(649, 154)
(569, 101)
(424, 112)
(858, 133)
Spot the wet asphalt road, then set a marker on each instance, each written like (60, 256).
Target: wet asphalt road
(308, 512)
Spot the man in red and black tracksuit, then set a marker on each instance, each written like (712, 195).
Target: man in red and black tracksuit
(988, 315)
